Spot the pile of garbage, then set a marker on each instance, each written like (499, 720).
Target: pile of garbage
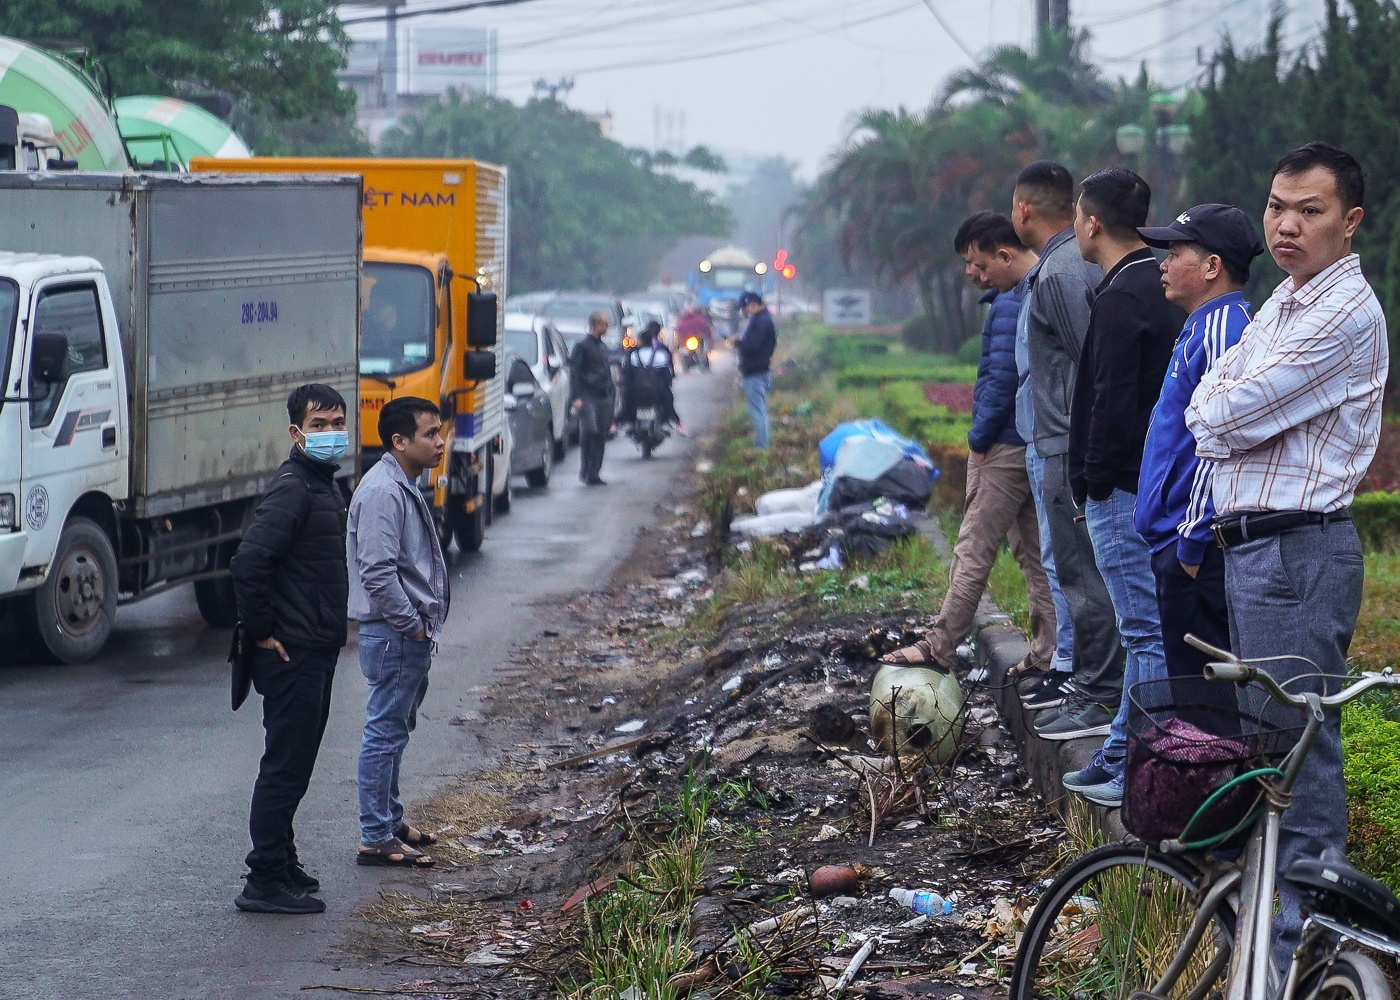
(874, 482)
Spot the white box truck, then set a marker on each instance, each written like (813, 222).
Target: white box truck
(151, 328)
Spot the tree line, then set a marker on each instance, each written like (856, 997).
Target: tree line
(893, 195)
(585, 211)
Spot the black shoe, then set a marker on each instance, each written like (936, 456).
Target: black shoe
(277, 897)
(302, 879)
(595, 481)
(1049, 691)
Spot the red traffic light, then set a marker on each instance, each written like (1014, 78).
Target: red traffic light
(780, 261)
(789, 271)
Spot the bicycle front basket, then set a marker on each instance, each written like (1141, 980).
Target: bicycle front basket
(1187, 738)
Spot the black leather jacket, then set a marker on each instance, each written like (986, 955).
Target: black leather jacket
(590, 370)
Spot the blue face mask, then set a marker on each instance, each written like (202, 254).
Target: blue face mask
(325, 446)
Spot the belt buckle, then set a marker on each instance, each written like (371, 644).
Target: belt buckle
(1218, 529)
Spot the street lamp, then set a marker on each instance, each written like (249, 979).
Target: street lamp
(1130, 139)
(1157, 150)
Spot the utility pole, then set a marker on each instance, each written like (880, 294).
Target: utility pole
(1053, 14)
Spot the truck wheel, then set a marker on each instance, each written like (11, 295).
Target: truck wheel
(216, 603)
(74, 608)
(470, 529)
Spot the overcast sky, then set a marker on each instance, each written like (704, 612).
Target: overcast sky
(784, 76)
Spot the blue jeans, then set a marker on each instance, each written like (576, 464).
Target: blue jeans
(756, 393)
(1125, 563)
(1064, 630)
(396, 668)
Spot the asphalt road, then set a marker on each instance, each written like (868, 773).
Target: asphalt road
(126, 780)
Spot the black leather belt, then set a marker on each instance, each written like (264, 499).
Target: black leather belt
(1247, 527)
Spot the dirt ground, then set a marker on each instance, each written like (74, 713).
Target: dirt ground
(772, 712)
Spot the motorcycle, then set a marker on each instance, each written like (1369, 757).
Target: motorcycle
(647, 430)
(694, 353)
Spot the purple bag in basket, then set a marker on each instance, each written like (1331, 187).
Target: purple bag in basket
(1175, 768)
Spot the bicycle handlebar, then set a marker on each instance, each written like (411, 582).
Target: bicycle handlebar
(1231, 668)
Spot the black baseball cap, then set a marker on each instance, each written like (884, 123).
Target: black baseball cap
(1221, 229)
(749, 297)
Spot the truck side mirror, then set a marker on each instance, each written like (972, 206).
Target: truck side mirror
(479, 366)
(48, 360)
(481, 319)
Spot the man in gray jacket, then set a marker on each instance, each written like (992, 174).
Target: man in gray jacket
(1057, 319)
(399, 595)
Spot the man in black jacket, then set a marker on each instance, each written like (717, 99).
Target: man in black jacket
(1132, 328)
(591, 381)
(292, 589)
(755, 354)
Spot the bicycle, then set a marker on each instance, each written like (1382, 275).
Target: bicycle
(1181, 919)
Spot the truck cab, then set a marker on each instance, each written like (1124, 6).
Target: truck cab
(63, 431)
(29, 143)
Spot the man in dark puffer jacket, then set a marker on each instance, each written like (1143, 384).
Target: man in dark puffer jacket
(999, 502)
(292, 589)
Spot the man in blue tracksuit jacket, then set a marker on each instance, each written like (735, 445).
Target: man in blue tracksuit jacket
(1209, 250)
(999, 503)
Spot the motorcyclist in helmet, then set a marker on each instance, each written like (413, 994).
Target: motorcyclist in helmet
(647, 374)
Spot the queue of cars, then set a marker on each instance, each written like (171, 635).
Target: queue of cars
(540, 331)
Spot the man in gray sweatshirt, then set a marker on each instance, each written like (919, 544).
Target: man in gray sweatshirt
(1057, 320)
(399, 595)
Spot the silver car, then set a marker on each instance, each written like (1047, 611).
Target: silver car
(542, 347)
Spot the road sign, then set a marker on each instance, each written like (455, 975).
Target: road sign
(846, 307)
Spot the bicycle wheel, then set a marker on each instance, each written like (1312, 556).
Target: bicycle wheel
(1113, 922)
(1349, 977)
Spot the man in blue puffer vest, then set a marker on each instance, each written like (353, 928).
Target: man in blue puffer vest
(999, 503)
(1209, 250)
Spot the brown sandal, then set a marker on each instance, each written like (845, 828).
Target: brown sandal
(920, 654)
(415, 837)
(394, 854)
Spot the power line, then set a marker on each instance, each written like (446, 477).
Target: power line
(948, 30)
(452, 8)
(667, 60)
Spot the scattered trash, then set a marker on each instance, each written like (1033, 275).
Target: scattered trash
(833, 880)
(770, 525)
(916, 710)
(828, 723)
(486, 957)
(691, 576)
(861, 582)
(633, 726)
(701, 529)
(780, 501)
(733, 684)
(923, 901)
(827, 832)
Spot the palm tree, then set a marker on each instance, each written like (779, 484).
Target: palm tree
(1058, 72)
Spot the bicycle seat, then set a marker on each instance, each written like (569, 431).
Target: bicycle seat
(1339, 890)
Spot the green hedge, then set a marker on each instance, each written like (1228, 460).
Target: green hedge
(1371, 744)
(909, 410)
(1377, 517)
(908, 368)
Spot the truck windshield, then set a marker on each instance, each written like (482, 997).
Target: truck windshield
(9, 303)
(396, 326)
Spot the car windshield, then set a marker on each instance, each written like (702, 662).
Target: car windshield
(396, 328)
(579, 310)
(524, 343)
(9, 305)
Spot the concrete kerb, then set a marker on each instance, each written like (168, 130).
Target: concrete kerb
(1000, 646)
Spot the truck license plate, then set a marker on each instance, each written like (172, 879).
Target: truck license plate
(646, 413)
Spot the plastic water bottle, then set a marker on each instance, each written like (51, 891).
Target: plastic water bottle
(923, 901)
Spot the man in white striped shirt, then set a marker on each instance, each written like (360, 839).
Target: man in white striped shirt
(1291, 417)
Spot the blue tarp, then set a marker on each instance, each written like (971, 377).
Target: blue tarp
(831, 444)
